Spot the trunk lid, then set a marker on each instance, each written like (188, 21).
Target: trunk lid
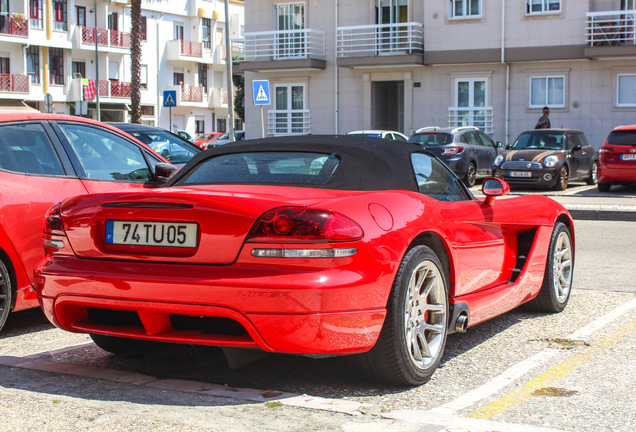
(223, 216)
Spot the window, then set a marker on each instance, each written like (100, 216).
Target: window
(148, 110)
(178, 31)
(106, 156)
(206, 32)
(220, 125)
(59, 17)
(289, 116)
(626, 90)
(547, 91)
(56, 64)
(465, 8)
(170, 146)
(435, 180)
(144, 76)
(199, 126)
(27, 149)
(177, 78)
(79, 69)
(33, 63)
(290, 17)
(238, 124)
(203, 76)
(471, 103)
(543, 6)
(81, 15)
(5, 66)
(144, 35)
(35, 12)
(113, 22)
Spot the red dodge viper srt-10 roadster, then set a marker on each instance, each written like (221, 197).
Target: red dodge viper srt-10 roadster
(309, 245)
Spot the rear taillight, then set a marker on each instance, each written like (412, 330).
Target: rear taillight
(449, 151)
(605, 150)
(53, 221)
(298, 225)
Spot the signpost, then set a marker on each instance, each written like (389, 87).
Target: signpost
(170, 100)
(260, 89)
(48, 103)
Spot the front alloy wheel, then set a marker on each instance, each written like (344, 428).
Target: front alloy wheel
(562, 179)
(6, 294)
(471, 175)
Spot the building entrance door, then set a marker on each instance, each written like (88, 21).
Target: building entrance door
(387, 105)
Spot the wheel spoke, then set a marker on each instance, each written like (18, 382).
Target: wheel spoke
(423, 346)
(432, 307)
(428, 288)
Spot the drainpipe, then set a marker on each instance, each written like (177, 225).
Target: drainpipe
(503, 61)
(159, 98)
(337, 91)
(228, 63)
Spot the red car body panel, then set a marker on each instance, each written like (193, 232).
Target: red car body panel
(25, 200)
(612, 168)
(319, 305)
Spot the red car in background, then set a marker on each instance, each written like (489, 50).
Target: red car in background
(203, 139)
(45, 158)
(617, 158)
(309, 245)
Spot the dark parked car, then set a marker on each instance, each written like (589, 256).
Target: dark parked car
(547, 158)
(466, 150)
(171, 146)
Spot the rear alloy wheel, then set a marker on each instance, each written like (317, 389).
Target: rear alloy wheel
(604, 187)
(557, 281)
(115, 345)
(593, 177)
(562, 179)
(6, 294)
(413, 337)
(471, 175)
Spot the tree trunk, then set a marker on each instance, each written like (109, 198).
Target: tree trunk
(135, 61)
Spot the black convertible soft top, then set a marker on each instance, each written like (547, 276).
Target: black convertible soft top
(366, 163)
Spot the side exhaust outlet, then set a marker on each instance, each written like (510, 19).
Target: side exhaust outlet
(462, 323)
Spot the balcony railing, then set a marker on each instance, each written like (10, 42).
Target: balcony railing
(480, 117)
(383, 39)
(191, 48)
(191, 94)
(114, 89)
(104, 37)
(288, 122)
(611, 28)
(14, 26)
(280, 45)
(14, 83)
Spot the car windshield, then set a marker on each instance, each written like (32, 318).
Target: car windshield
(204, 137)
(539, 141)
(224, 136)
(623, 138)
(174, 149)
(265, 167)
(431, 139)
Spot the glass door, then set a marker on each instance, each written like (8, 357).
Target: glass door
(390, 37)
(290, 43)
(289, 105)
(471, 94)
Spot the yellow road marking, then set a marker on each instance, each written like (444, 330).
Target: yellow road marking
(552, 375)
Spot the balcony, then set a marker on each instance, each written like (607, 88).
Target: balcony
(218, 98)
(611, 33)
(288, 122)
(480, 117)
(378, 45)
(86, 36)
(280, 50)
(14, 26)
(188, 51)
(14, 83)
(115, 89)
(191, 94)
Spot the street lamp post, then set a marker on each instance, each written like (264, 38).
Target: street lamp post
(228, 61)
(99, 114)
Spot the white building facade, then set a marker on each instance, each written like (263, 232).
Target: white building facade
(49, 46)
(404, 64)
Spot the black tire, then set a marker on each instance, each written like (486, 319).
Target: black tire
(562, 179)
(552, 298)
(391, 359)
(604, 187)
(471, 175)
(115, 345)
(592, 179)
(6, 294)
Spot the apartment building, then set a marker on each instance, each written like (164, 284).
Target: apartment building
(49, 46)
(404, 64)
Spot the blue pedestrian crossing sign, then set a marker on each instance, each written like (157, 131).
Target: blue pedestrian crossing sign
(169, 98)
(261, 92)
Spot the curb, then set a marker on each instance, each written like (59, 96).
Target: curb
(603, 215)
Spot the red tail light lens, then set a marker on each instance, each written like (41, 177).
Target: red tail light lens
(449, 151)
(53, 221)
(605, 150)
(295, 225)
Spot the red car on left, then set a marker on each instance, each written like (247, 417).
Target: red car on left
(45, 158)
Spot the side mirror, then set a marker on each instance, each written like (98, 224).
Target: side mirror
(577, 148)
(508, 147)
(494, 187)
(499, 144)
(164, 171)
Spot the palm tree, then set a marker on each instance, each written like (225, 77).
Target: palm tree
(135, 61)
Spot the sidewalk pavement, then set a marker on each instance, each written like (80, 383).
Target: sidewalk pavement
(599, 208)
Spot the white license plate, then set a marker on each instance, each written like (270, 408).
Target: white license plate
(520, 174)
(628, 156)
(151, 233)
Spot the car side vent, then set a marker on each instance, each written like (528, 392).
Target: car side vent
(208, 325)
(525, 240)
(147, 205)
(114, 318)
